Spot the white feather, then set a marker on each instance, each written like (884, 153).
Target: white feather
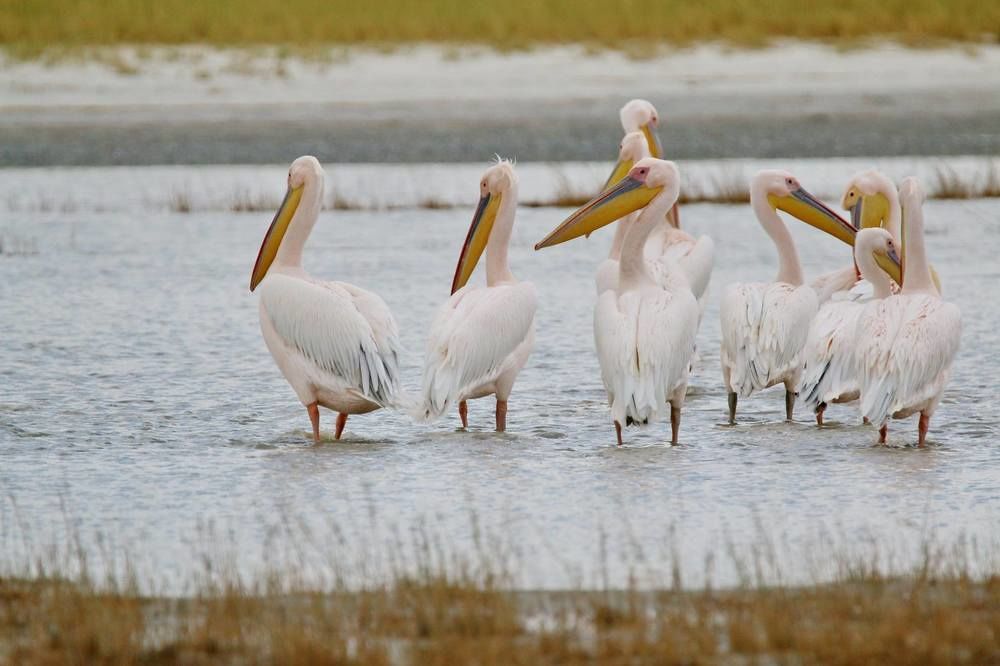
(764, 328)
(478, 334)
(905, 347)
(341, 337)
(645, 339)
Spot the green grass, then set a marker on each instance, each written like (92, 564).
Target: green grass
(37, 25)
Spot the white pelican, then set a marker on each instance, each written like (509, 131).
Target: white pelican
(482, 336)
(666, 246)
(906, 343)
(639, 115)
(336, 344)
(764, 325)
(644, 330)
(827, 368)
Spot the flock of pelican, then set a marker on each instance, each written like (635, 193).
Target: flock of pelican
(875, 331)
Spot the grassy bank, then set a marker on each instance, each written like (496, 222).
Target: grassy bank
(450, 619)
(38, 24)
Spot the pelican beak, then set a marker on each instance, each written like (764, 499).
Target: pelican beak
(870, 211)
(890, 262)
(476, 239)
(814, 212)
(272, 239)
(620, 171)
(655, 148)
(627, 196)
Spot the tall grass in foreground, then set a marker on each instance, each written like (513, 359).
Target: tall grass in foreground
(446, 609)
(37, 24)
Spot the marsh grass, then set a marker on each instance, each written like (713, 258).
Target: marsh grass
(32, 27)
(468, 617)
(949, 184)
(434, 606)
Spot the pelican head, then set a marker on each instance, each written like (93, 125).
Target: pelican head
(632, 149)
(868, 197)
(911, 192)
(647, 179)
(638, 115)
(784, 192)
(881, 245)
(498, 180)
(304, 171)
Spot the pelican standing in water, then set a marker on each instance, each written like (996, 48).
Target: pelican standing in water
(828, 371)
(336, 344)
(905, 344)
(482, 336)
(666, 245)
(765, 325)
(644, 329)
(827, 360)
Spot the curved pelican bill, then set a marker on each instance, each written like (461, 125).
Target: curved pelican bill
(627, 196)
(804, 206)
(653, 140)
(868, 212)
(890, 263)
(272, 239)
(622, 167)
(476, 239)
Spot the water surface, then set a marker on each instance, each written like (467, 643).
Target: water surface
(138, 402)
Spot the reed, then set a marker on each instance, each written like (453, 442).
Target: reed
(434, 606)
(32, 26)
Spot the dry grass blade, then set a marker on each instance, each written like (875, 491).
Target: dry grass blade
(28, 28)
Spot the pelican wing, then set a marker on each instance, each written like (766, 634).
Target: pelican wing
(472, 339)
(840, 280)
(828, 357)
(347, 334)
(697, 265)
(909, 345)
(645, 341)
(764, 327)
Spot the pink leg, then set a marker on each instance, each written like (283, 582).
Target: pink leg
(819, 413)
(883, 433)
(501, 415)
(341, 422)
(675, 423)
(463, 413)
(922, 427)
(314, 418)
(618, 432)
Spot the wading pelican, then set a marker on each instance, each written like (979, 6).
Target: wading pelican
(336, 344)
(765, 325)
(905, 344)
(482, 336)
(827, 360)
(666, 246)
(828, 370)
(644, 329)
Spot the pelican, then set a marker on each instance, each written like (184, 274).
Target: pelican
(828, 372)
(644, 329)
(666, 247)
(639, 115)
(482, 336)
(765, 325)
(336, 344)
(827, 368)
(905, 344)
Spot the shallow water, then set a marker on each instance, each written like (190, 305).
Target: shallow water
(138, 403)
